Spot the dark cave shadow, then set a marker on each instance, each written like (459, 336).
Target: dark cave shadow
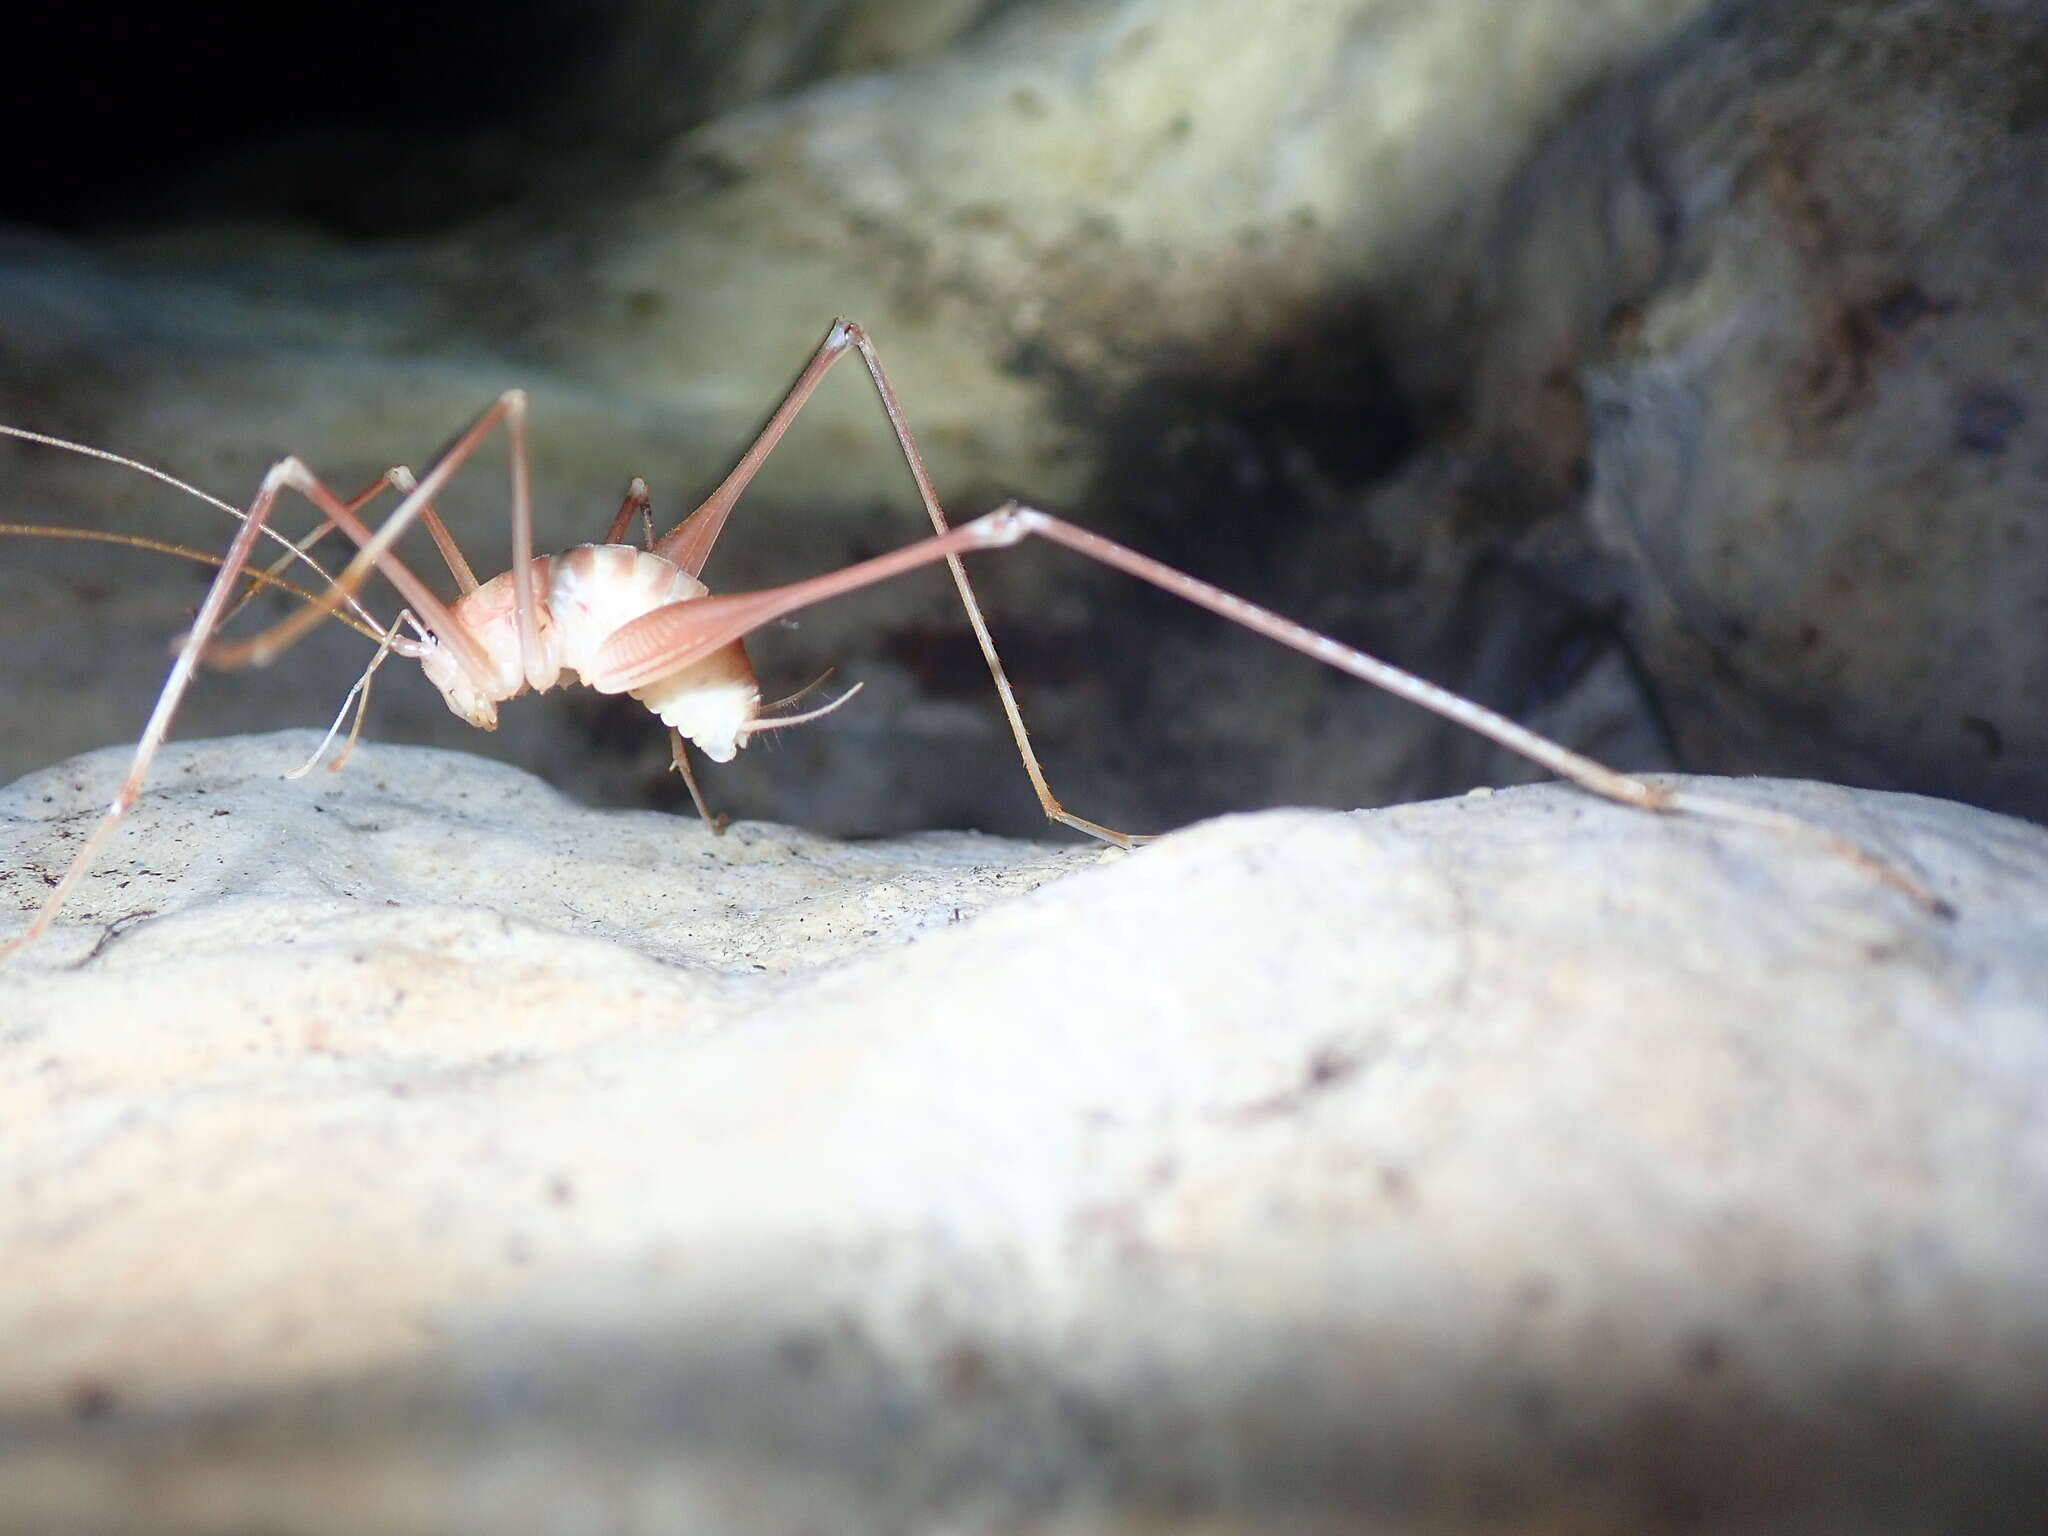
(783, 1413)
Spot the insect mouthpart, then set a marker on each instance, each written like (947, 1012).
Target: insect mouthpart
(463, 697)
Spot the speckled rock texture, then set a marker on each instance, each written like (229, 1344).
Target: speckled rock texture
(1779, 298)
(412, 1151)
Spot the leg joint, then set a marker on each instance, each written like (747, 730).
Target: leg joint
(290, 471)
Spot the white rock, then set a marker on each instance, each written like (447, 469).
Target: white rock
(439, 1156)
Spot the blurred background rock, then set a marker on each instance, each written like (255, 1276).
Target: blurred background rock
(1662, 372)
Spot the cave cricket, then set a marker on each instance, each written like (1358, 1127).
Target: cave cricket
(640, 621)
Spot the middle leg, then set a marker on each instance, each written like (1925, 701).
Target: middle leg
(690, 542)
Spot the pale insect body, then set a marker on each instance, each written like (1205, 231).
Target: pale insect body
(585, 596)
(642, 622)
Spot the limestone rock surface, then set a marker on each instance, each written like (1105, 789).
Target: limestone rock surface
(1776, 297)
(413, 1151)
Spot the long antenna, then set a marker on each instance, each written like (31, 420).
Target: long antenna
(86, 451)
